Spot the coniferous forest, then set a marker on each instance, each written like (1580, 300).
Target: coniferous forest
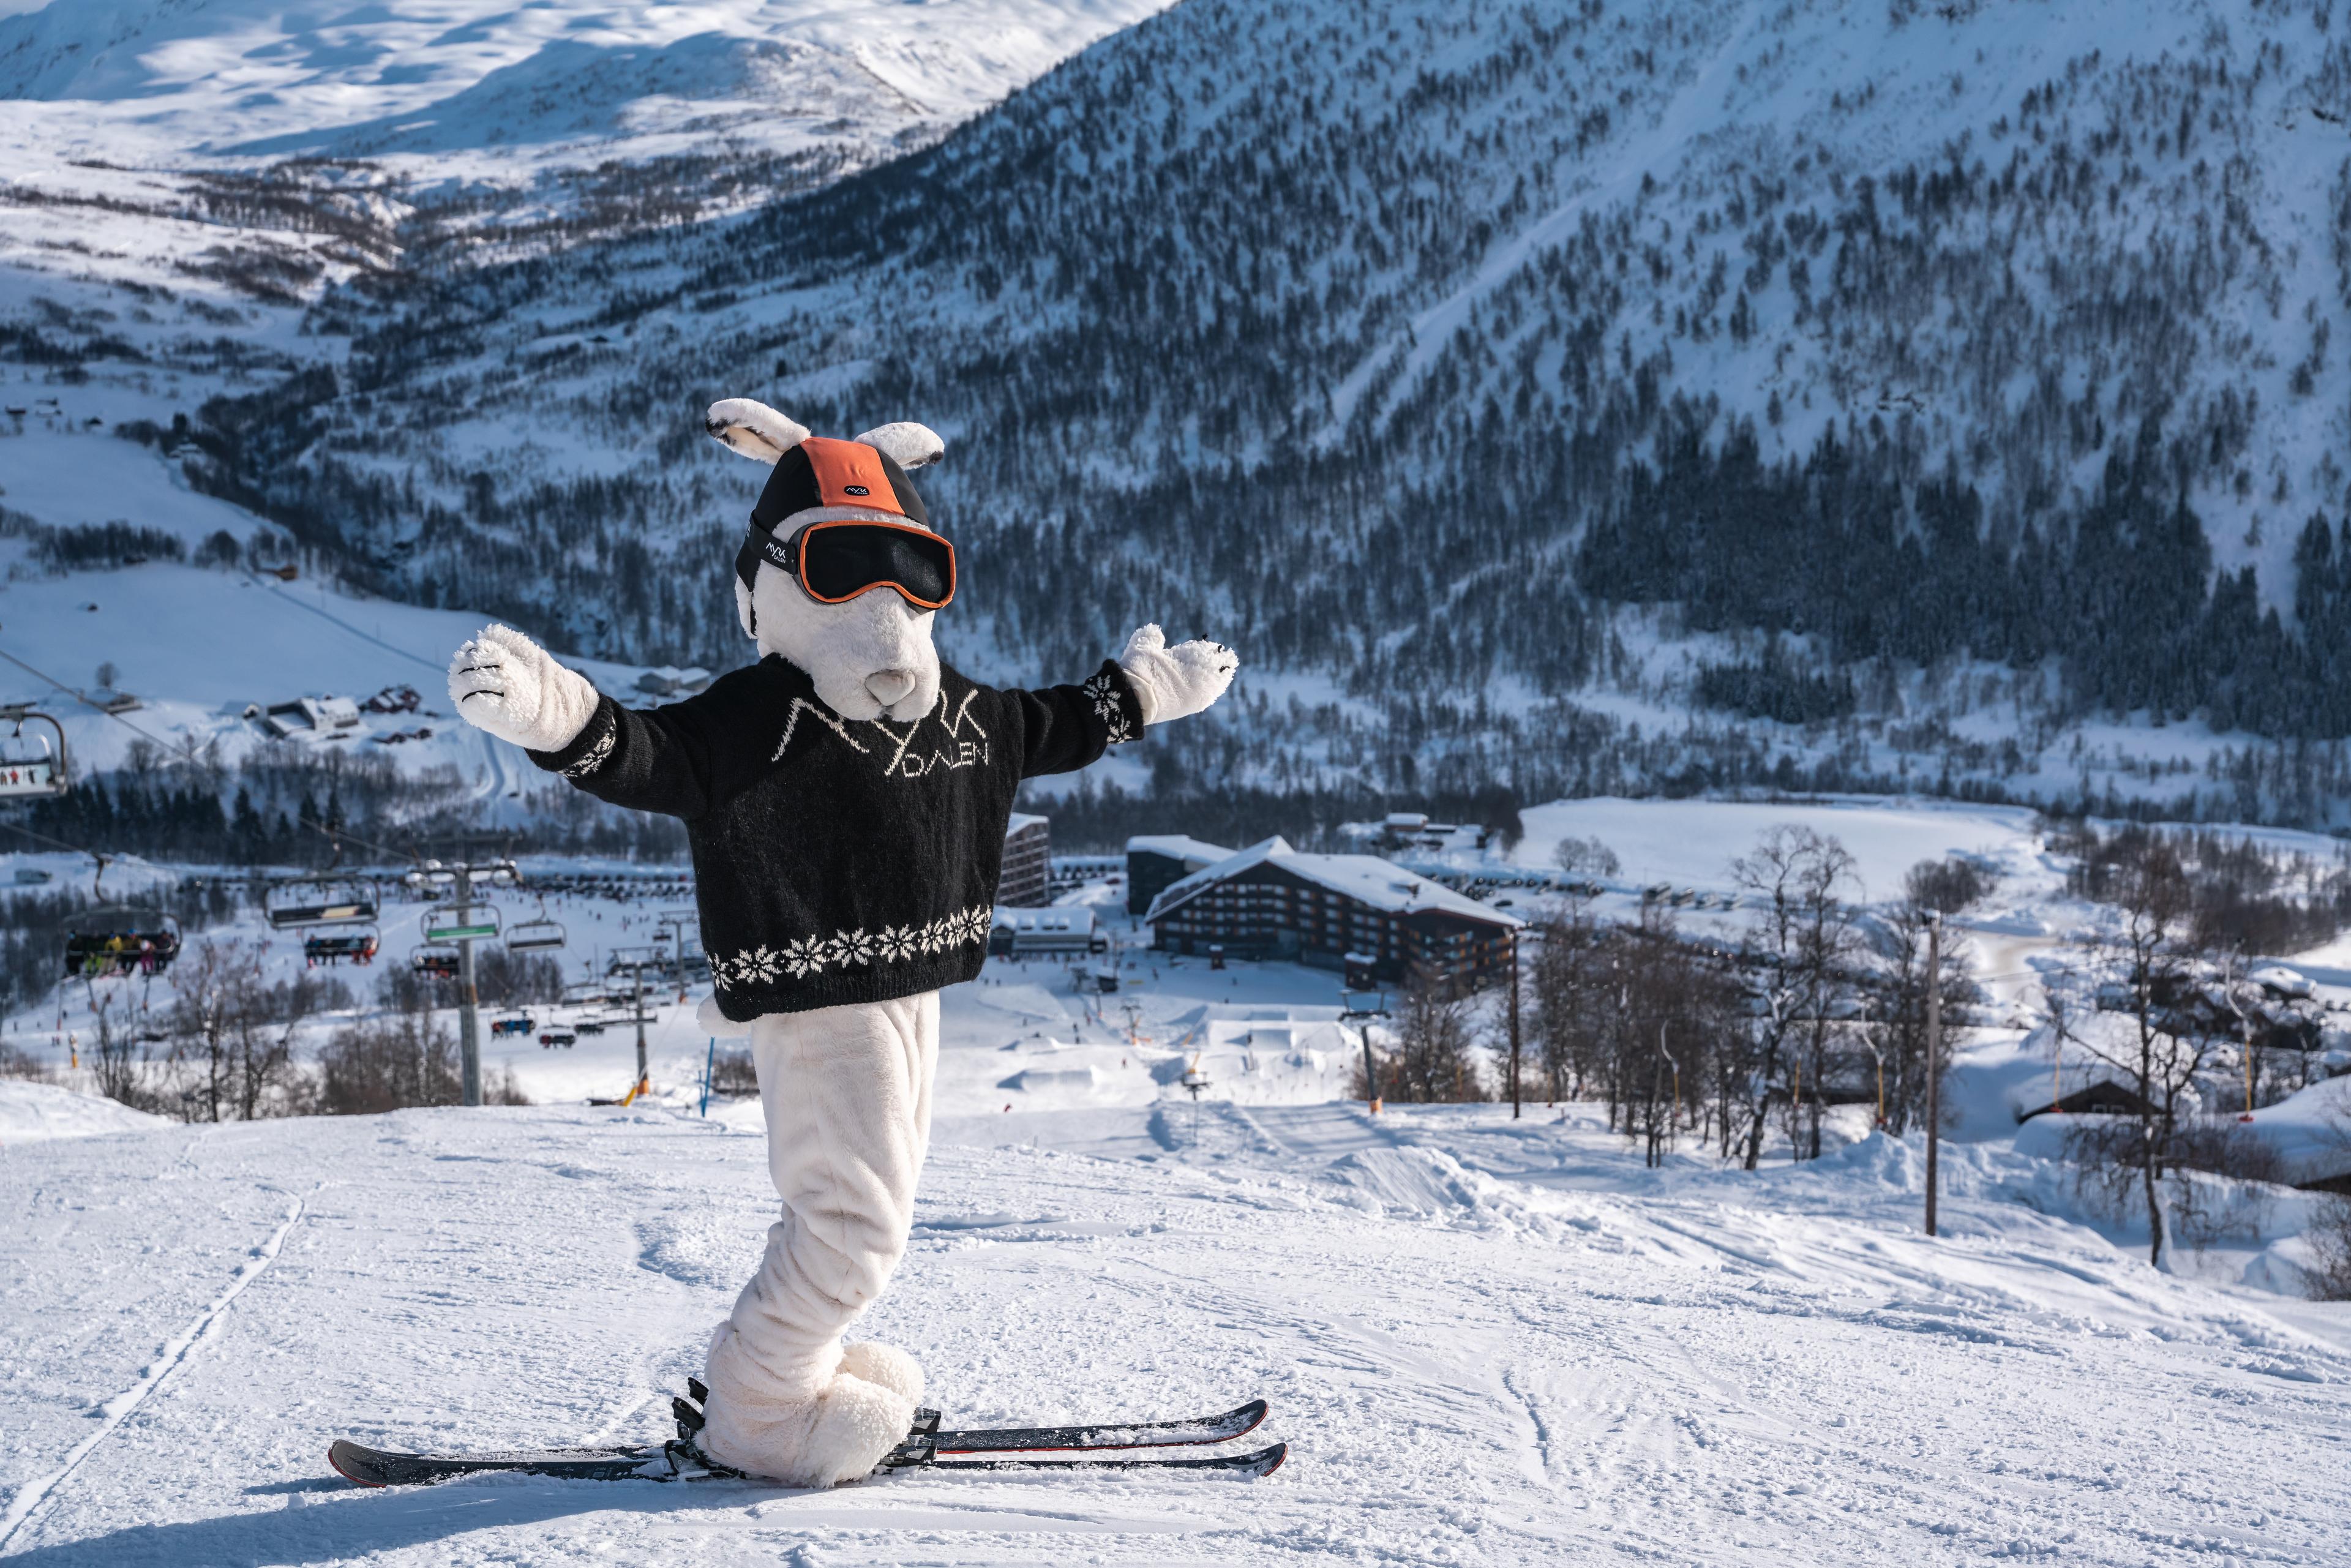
(1410, 348)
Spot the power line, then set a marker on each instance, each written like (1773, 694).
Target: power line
(187, 751)
(75, 848)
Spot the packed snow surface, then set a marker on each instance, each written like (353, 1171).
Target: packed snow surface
(30, 1112)
(1486, 1341)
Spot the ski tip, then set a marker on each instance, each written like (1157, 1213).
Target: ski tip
(1271, 1459)
(1252, 1414)
(345, 1457)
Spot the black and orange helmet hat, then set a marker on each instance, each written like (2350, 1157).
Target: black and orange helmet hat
(821, 472)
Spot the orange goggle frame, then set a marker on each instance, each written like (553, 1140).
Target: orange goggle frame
(836, 560)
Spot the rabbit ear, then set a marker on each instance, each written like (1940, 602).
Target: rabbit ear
(910, 445)
(753, 428)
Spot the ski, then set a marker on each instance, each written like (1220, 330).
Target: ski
(1183, 1433)
(916, 1454)
(368, 1466)
(385, 1467)
(925, 1447)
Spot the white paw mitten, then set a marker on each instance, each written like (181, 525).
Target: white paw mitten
(504, 683)
(1175, 683)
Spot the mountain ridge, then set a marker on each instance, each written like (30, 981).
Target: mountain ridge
(1406, 349)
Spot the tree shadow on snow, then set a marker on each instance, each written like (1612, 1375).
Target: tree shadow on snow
(367, 1522)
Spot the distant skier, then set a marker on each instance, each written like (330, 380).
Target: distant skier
(846, 800)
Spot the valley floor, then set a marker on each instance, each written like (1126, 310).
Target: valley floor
(1486, 1341)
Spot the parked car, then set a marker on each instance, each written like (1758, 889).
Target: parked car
(549, 1039)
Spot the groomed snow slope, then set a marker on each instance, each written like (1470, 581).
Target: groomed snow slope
(1486, 1342)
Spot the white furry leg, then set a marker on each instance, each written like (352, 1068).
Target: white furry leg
(847, 1093)
(885, 1366)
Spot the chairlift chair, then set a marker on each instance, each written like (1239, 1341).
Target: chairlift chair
(32, 765)
(121, 939)
(538, 934)
(322, 901)
(455, 922)
(334, 947)
(437, 959)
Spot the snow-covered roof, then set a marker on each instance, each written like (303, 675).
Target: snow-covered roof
(1177, 847)
(1050, 917)
(1382, 884)
(1022, 820)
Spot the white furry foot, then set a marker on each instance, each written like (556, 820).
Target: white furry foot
(837, 1432)
(885, 1366)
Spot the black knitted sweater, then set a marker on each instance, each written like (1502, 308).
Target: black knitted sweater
(839, 861)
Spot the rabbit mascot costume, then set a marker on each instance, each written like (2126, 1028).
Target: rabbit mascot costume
(846, 800)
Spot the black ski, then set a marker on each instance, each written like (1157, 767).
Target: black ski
(383, 1468)
(1176, 1434)
(925, 1447)
(672, 1462)
(916, 1454)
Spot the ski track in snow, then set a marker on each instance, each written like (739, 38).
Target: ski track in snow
(29, 1497)
(1486, 1342)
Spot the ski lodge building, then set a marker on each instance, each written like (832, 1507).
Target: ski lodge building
(1154, 861)
(1026, 880)
(1361, 914)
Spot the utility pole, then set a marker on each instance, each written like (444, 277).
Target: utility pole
(639, 1009)
(465, 926)
(469, 1002)
(1514, 1026)
(1934, 1058)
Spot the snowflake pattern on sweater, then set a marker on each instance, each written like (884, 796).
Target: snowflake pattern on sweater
(843, 949)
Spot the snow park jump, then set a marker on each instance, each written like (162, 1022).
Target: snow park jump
(1550, 783)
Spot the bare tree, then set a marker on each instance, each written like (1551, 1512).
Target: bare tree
(1585, 857)
(1435, 1057)
(2329, 1238)
(118, 1058)
(1568, 972)
(2151, 963)
(1802, 940)
(214, 985)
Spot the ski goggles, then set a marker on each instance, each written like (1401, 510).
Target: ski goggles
(836, 560)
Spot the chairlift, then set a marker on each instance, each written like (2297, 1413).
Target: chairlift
(461, 922)
(321, 901)
(538, 934)
(32, 765)
(335, 946)
(438, 960)
(121, 939)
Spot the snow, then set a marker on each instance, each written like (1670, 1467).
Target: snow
(1177, 847)
(2310, 1131)
(1691, 843)
(255, 639)
(132, 101)
(31, 1111)
(1487, 1341)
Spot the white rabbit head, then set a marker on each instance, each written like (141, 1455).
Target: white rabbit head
(870, 656)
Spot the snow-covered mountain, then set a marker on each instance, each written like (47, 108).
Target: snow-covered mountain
(279, 146)
(1591, 395)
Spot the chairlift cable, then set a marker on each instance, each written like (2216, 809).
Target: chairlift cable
(186, 750)
(334, 836)
(75, 848)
